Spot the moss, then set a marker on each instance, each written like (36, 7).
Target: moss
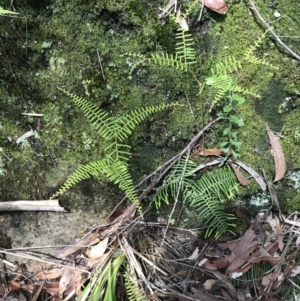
(62, 47)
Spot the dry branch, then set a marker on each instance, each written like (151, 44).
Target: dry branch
(288, 49)
(44, 205)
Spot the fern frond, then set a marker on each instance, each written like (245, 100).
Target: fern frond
(251, 58)
(84, 172)
(167, 60)
(242, 90)
(228, 66)
(128, 122)
(169, 188)
(97, 117)
(207, 196)
(185, 49)
(132, 288)
(114, 169)
(221, 79)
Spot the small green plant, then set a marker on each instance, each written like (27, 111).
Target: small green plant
(231, 145)
(207, 196)
(114, 131)
(102, 285)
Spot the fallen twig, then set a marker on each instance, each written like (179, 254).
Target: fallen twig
(44, 205)
(288, 49)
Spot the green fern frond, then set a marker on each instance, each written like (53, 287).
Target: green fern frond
(183, 58)
(132, 288)
(185, 49)
(228, 66)
(251, 58)
(244, 91)
(128, 122)
(97, 117)
(207, 196)
(221, 79)
(167, 60)
(169, 188)
(84, 172)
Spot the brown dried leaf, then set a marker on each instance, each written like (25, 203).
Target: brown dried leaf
(239, 175)
(209, 283)
(245, 242)
(252, 173)
(76, 245)
(279, 159)
(98, 249)
(241, 259)
(218, 6)
(217, 264)
(270, 278)
(64, 281)
(210, 152)
(49, 274)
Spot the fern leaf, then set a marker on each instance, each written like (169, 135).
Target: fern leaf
(206, 196)
(84, 172)
(130, 121)
(164, 59)
(185, 50)
(239, 89)
(132, 288)
(251, 58)
(97, 117)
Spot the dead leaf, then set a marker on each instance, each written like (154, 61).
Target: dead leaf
(76, 245)
(97, 250)
(279, 159)
(253, 173)
(49, 274)
(244, 243)
(181, 21)
(239, 175)
(218, 6)
(240, 260)
(195, 254)
(270, 278)
(210, 152)
(25, 136)
(65, 281)
(209, 283)
(217, 264)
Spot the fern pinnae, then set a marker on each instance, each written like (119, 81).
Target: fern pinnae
(130, 121)
(95, 115)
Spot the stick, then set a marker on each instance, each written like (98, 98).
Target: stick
(288, 49)
(44, 205)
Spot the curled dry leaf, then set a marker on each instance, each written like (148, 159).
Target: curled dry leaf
(279, 159)
(97, 250)
(211, 152)
(253, 173)
(239, 175)
(49, 274)
(218, 6)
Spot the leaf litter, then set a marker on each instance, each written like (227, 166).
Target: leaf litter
(169, 261)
